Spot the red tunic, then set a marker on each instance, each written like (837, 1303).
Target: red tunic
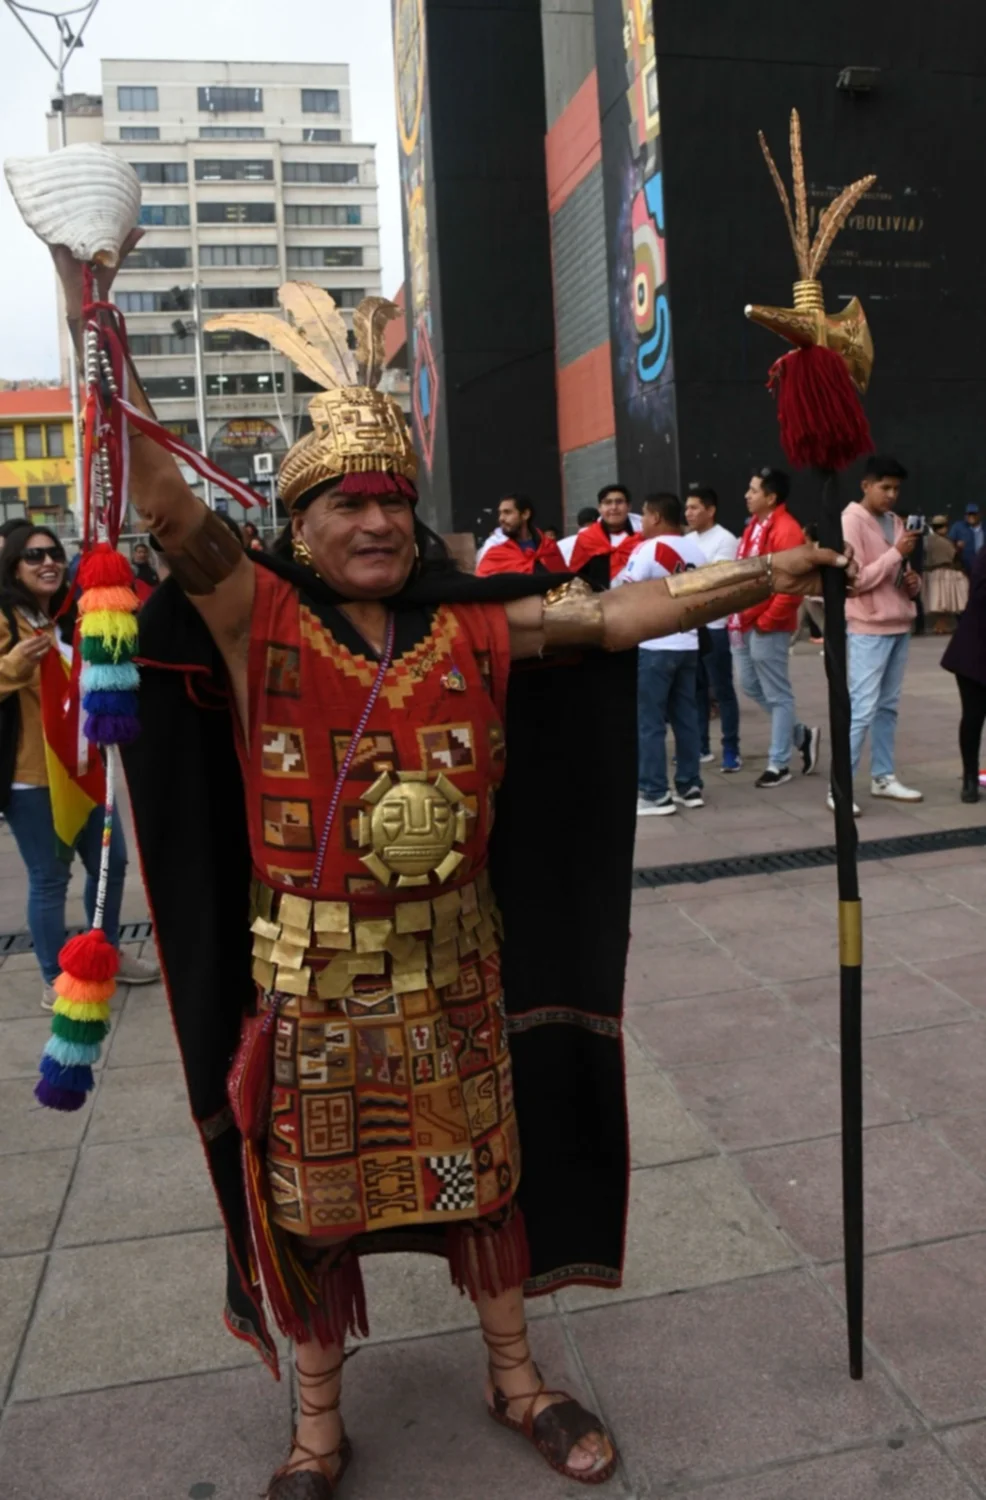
(392, 1101)
(595, 541)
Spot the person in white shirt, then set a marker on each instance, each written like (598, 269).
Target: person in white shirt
(667, 671)
(715, 668)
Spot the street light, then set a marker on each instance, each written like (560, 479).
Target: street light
(69, 42)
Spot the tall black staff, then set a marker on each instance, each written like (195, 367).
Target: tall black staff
(823, 426)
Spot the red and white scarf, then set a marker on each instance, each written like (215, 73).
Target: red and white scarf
(751, 544)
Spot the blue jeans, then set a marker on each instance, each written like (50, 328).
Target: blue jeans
(666, 695)
(29, 815)
(715, 670)
(763, 663)
(876, 676)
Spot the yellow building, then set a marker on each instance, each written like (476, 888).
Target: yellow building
(37, 456)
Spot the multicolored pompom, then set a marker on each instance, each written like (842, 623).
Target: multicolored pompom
(108, 632)
(80, 1022)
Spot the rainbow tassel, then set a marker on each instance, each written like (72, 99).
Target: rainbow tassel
(89, 966)
(110, 678)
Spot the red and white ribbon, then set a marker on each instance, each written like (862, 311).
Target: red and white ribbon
(200, 462)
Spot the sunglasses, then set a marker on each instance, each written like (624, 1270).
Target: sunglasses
(39, 554)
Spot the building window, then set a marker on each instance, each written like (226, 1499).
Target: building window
(7, 446)
(311, 134)
(237, 255)
(140, 133)
(320, 101)
(169, 387)
(143, 344)
(58, 495)
(230, 341)
(164, 215)
(37, 496)
(11, 503)
(33, 442)
(128, 98)
(239, 296)
(247, 169)
(188, 431)
(236, 213)
(315, 215)
(314, 256)
(160, 171)
(347, 296)
(231, 132)
(321, 171)
(146, 302)
(223, 101)
(243, 384)
(55, 441)
(158, 258)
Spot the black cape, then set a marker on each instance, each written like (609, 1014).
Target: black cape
(560, 860)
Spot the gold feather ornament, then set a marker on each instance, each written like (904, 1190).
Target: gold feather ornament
(356, 428)
(807, 322)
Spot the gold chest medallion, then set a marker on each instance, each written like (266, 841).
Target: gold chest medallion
(411, 824)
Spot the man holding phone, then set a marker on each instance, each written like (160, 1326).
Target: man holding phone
(879, 616)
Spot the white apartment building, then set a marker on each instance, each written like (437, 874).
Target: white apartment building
(250, 177)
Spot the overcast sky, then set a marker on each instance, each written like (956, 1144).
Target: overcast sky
(356, 32)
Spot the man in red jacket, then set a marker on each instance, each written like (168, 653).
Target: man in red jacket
(613, 535)
(523, 549)
(761, 636)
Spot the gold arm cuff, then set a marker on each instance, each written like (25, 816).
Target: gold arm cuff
(207, 556)
(572, 615)
(703, 608)
(722, 575)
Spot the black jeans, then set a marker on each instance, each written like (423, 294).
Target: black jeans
(973, 695)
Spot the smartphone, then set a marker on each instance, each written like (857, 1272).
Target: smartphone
(916, 523)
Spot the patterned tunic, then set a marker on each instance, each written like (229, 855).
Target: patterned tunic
(392, 1101)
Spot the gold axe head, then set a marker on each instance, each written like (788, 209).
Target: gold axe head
(807, 322)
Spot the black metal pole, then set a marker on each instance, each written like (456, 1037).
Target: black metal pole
(850, 922)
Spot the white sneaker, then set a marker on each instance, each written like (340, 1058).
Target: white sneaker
(708, 756)
(889, 786)
(48, 997)
(857, 811)
(647, 807)
(134, 970)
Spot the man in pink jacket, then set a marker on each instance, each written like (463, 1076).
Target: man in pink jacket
(879, 617)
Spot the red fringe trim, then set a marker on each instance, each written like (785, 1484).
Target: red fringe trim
(489, 1258)
(821, 418)
(341, 1308)
(377, 483)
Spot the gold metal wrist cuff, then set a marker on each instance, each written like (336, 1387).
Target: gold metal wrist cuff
(702, 609)
(206, 557)
(720, 575)
(572, 615)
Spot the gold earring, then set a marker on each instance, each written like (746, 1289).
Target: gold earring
(302, 552)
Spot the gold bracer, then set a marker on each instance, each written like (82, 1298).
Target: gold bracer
(572, 615)
(722, 575)
(207, 556)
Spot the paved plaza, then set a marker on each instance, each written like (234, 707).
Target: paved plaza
(721, 1366)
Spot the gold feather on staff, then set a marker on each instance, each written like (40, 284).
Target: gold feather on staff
(800, 196)
(833, 219)
(314, 314)
(369, 325)
(781, 189)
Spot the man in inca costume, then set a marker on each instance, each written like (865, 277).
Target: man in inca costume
(314, 793)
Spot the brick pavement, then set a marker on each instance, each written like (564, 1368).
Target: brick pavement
(721, 1366)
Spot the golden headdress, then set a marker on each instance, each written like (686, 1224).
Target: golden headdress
(807, 322)
(357, 429)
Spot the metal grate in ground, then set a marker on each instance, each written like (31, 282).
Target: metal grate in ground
(781, 862)
(20, 942)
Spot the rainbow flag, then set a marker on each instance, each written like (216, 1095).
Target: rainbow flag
(76, 779)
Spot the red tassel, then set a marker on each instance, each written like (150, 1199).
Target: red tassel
(490, 1258)
(822, 421)
(377, 483)
(103, 568)
(90, 956)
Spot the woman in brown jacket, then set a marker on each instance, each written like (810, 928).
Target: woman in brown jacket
(32, 587)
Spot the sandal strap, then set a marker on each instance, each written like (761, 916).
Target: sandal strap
(500, 1343)
(309, 1382)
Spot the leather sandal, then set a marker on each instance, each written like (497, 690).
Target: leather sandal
(293, 1481)
(556, 1430)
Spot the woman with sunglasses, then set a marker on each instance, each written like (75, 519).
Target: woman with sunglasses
(32, 589)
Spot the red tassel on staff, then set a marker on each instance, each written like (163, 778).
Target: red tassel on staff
(821, 419)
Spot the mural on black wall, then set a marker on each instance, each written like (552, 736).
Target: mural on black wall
(412, 126)
(640, 303)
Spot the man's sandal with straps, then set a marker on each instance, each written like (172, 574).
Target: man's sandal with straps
(293, 1481)
(557, 1430)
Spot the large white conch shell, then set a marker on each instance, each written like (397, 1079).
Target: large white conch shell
(85, 197)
